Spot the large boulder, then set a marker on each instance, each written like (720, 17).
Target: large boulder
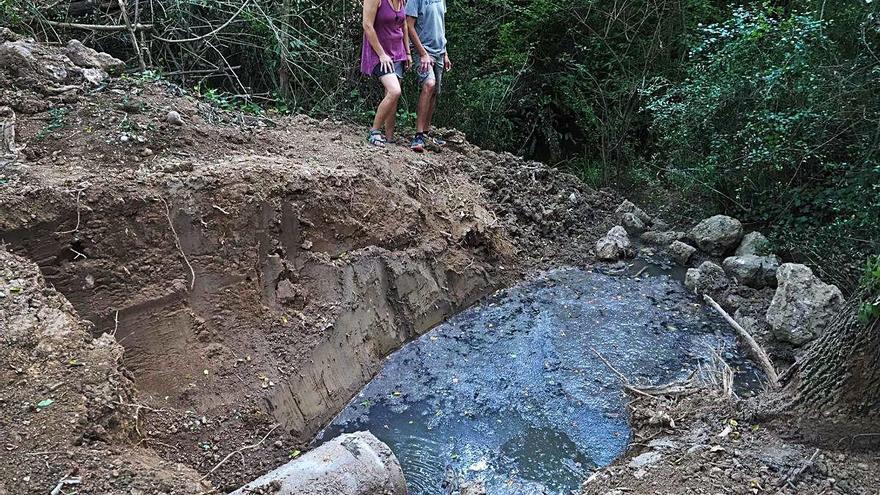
(753, 271)
(717, 235)
(681, 252)
(615, 245)
(629, 207)
(754, 243)
(88, 58)
(708, 278)
(350, 464)
(803, 305)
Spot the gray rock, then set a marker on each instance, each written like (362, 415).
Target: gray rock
(645, 459)
(708, 278)
(717, 235)
(660, 225)
(754, 243)
(629, 207)
(681, 252)
(753, 271)
(632, 223)
(350, 464)
(662, 238)
(87, 58)
(615, 245)
(173, 117)
(803, 305)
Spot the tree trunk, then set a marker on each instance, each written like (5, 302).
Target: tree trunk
(841, 371)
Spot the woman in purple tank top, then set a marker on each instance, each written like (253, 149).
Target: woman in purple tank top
(385, 55)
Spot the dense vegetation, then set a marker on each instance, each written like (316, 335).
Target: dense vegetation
(769, 111)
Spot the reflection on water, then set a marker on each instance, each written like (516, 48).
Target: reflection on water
(510, 392)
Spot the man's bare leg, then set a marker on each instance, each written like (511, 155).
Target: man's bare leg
(427, 101)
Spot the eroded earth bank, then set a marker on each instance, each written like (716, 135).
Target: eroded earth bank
(188, 295)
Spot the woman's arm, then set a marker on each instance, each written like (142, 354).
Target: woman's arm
(370, 9)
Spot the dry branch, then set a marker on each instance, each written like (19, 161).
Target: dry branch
(212, 33)
(624, 380)
(177, 243)
(99, 27)
(247, 447)
(131, 31)
(754, 349)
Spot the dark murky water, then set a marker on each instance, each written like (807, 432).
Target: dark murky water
(510, 391)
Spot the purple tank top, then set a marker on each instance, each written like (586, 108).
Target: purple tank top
(389, 25)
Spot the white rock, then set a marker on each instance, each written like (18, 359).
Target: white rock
(173, 117)
(754, 243)
(708, 278)
(646, 459)
(662, 238)
(681, 252)
(615, 245)
(717, 235)
(350, 464)
(629, 207)
(803, 305)
(632, 222)
(751, 270)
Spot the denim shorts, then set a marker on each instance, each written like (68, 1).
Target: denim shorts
(435, 73)
(398, 70)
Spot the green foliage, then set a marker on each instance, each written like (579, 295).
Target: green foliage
(870, 284)
(57, 120)
(10, 13)
(777, 122)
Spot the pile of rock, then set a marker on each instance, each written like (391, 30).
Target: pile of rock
(795, 306)
(52, 70)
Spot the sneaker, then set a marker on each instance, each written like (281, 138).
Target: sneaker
(418, 143)
(436, 139)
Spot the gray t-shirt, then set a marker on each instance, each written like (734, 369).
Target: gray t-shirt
(430, 23)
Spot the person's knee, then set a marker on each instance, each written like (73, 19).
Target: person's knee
(393, 93)
(429, 86)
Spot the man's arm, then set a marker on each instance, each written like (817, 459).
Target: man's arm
(425, 60)
(406, 47)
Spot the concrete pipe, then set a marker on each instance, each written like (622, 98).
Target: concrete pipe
(350, 464)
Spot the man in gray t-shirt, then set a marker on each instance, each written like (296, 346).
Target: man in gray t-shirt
(426, 22)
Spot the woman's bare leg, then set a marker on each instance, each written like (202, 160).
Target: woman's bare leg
(387, 111)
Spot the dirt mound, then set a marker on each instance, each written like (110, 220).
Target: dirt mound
(67, 404)
(703, 444)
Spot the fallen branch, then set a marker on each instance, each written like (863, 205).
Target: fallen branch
(248, 447)
(795, 474)
(78, 213)
(192, 272)
(754, 349)
(624, 380)
(99, 27)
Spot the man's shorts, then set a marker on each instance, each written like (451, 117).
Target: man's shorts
(397, 70)
(436, 73)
